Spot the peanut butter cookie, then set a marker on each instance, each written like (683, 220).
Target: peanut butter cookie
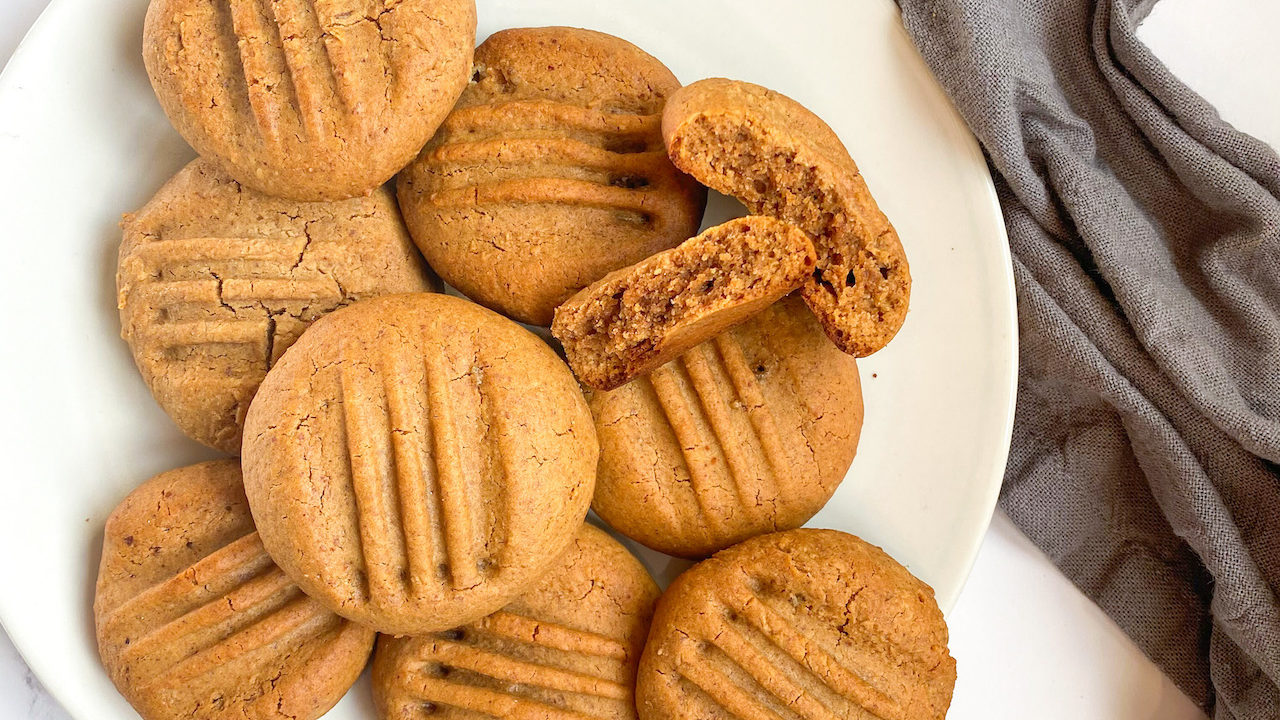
(550, 172)
(803, 623)
(415, 462)
(308, 100)
(637, 318)
(780, 159)
(745, 434)
(194, 620)
(216, 281)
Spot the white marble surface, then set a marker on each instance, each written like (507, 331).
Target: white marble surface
(1028, 644)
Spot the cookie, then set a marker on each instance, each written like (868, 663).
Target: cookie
(780, 159)
(798, 624)
(308, 100)
(745, 434)
(194, 620)
(415, 462)
(215, 281)
(567, 648)
(550, 172)
(637, 318)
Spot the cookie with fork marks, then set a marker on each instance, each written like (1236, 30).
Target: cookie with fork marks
(811, 624)
(215, 281)
(550, 172)
(308, 99)
(415, 462)
(749, 433)
(194, 620)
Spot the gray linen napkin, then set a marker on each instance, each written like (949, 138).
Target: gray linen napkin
(1146, 242)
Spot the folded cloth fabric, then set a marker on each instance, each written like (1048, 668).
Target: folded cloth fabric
(1146, 242)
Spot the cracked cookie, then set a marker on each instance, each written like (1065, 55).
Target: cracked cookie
(803, 623)
(745, 434)
(415, 462)
(216, 280)
(780, 159)
(194, 620)
(637, 318)
(308, 100)
(568, 647)
(550, 172)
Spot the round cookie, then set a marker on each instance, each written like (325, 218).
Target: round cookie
(215, 281)
(415, 462)
(550, 172)
(803, 623)
(194, 620)
(745, 434)
(568, 647)
(308, 100)
(780, 159)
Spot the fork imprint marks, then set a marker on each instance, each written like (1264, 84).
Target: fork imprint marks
(304, 61)
(229, 611)
(733, 448)
(757, 663)
(212, 293)
(423, 472)
(544, 152)
(510, 665)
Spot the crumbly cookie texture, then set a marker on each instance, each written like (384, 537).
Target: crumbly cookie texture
(748, 433)
(637, 318)
(215, 281)
(567, 647)
(308, 100)
(415, 462)
(808, 623)
(550, 172)
(194, 620)
(781, 160)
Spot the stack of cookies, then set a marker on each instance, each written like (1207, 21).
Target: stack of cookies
(415, 469)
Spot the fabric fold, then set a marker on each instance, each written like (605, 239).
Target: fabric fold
(1146, 241)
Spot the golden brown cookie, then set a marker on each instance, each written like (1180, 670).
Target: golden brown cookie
(304, 99)
(194, 620)
(813, 624)
(550, 172)
(637, 318)
(567, 648)
(745, 434)
(415, 462)
(216, 281)
(779, 159)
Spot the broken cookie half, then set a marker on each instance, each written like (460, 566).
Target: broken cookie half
(637, 318)
(783, 161)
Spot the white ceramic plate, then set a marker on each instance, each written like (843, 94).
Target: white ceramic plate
(82, 139)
